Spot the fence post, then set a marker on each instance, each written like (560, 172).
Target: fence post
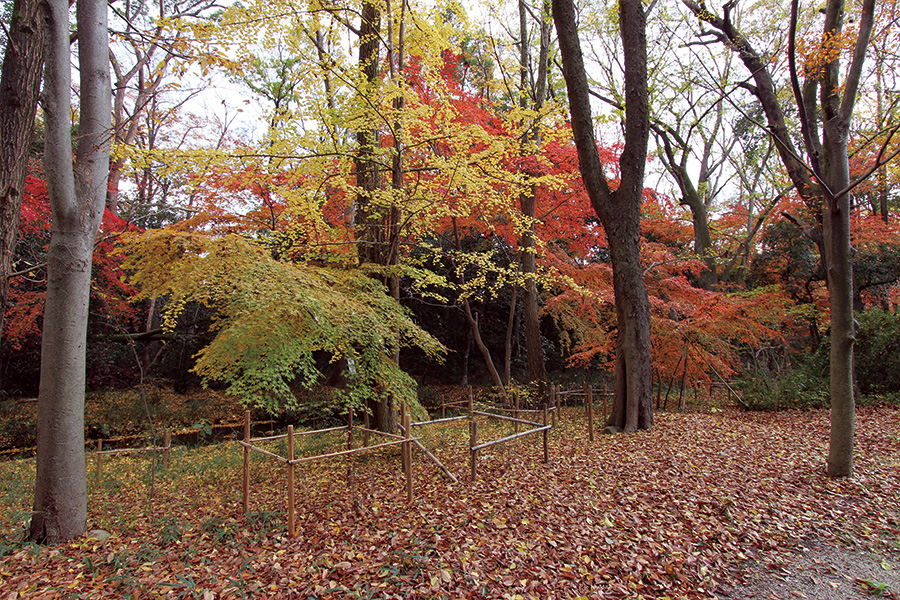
(99, 461)
(473, 454)
(589, 401)
(246, 486)
(349, 428)
(403, 424)
(516, 413)
(407, 453)
(290, 494)
(546, 440)
(554, 402)
(366, 425)
(605, 399)
(167, 448)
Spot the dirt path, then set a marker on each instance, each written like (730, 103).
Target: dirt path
(819, 570)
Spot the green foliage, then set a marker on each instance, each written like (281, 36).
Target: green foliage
(803, 386)
(878, 352)
(273, 316)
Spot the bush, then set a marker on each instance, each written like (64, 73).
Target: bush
(802, 386)
(878, 352)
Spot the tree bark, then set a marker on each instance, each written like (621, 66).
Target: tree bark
(534, 350)
(373, 226)
(20, 86)
(77, 197)
(618, 210)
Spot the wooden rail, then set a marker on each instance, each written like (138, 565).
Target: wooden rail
(166, 449)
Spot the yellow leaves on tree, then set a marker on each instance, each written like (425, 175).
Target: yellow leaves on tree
(272, 317)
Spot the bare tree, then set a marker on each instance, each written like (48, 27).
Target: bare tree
(824, 106)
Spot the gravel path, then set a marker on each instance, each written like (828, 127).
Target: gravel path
(819, 571)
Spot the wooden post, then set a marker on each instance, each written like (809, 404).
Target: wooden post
(473, 454)
(349, 428)
(366, 425)
(554, 401)
(403, 424)
(99, 461)
(589, 403)
(290, 473)
(246, 486)
(605, 399)
(407, 453)
(516, 411)
(167, 448)
(546, 438)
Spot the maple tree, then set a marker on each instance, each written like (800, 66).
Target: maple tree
(272, 317)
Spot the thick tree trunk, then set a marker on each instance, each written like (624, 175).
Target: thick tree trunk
(20, 86)
(77, 197)
(619, 211)
(374, 223)
(840, 278)
(633, 401)
(534, 350)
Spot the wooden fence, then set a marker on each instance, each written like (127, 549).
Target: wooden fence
(290, 461)
(558, 396)
(166, 450)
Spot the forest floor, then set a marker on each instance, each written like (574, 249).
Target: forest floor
(712, 504)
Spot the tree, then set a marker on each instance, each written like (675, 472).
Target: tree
(19, 89)
(619, 210)
(77, 197)
(273, 316)
(824, 182)
(537, 371)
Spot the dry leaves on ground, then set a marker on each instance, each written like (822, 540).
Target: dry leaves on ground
(676, 512)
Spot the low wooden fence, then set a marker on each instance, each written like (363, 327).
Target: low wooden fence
(536, 427)
(290, 461)
(166, 450)
(559, 396)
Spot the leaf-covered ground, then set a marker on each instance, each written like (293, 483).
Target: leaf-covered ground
(676, 512)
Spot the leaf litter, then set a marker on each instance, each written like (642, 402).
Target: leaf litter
(698, 507)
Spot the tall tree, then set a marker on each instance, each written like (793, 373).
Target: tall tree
(537, 371)
(619, 210)
(823, 102)
(77, 198)
(20, 86)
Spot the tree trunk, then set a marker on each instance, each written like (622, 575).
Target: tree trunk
(373, 226)
(77, 197)
(619, 211)
(633, 402)
(537, 369)
(829, 164)
(510, 329)
(20, 86)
